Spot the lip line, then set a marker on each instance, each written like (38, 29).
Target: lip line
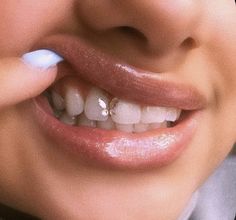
(121, 79)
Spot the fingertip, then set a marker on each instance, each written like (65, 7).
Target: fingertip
(43, 59)
(42, 68)
(26, 77)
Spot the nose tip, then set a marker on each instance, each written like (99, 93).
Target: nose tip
(165, 24)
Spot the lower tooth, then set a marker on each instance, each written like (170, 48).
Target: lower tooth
(67, 119)
(84, 121)
(157, 125)
(108, 124)
(141, 127)
(125, 127)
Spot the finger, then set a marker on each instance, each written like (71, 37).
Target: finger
(26, 77)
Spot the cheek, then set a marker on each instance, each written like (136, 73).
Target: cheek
(221, 47)
(24, 22)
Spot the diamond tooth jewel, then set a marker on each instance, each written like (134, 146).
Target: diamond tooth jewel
(157, 125)
(58, 101)
(108, 124)
(84, 121)
(97, 105)
(153, 114)
(74, 101)
(125, 127)
(67, 119)
(124, 112)
(172, 114)
(140, 127)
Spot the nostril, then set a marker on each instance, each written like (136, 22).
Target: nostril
(132, 32)
(189, 43)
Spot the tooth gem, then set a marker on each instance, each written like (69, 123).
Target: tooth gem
(105, 111)
(102, 103)
(113, 104)
(96, 105)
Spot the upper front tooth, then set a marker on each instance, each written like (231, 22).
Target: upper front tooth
(124, 112)
(172, 114)
(97, 105)
(74, 101)
(153, 114)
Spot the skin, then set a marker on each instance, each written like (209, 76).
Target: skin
(193, 41)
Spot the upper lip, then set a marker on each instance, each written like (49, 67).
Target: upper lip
(120, 79)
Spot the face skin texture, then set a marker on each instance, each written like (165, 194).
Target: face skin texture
(193, 41)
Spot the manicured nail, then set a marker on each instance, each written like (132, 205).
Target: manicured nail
(42, 58)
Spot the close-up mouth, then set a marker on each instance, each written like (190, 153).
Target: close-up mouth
(120, 110)
(112, 114)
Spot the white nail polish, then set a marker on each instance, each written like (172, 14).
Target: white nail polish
(42, 58)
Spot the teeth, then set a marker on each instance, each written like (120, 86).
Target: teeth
(58, 101)
(152, 114)
(108, 124)
(141, 127)
(123, 112)
(124, 127)
(84, 121)
(74, 101)
(67, 119)
(172, 114)
(98, 111)
(96, 105)
(158, 125)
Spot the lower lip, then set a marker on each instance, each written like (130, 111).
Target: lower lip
(114, 149)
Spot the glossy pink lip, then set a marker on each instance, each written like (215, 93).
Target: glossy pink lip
(114, 149)
(120, 79)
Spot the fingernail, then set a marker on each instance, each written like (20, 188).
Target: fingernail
(42, 58)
